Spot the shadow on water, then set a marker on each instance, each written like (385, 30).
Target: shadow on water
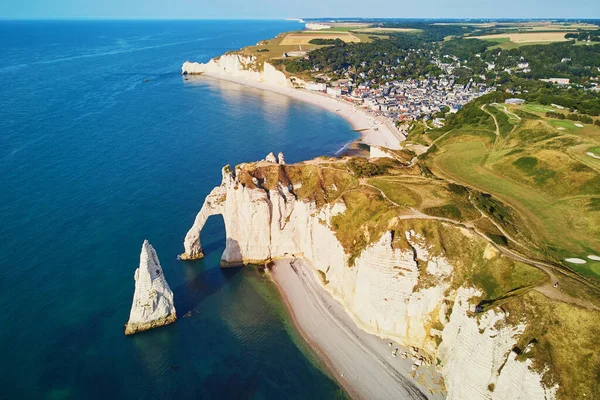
(204, 277)
(203, 285)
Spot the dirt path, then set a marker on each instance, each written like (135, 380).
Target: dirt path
(511, 113)
(546, 289)
(494, 117)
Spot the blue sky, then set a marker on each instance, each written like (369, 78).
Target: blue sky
(298, 8)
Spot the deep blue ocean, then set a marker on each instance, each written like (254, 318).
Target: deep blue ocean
(93, 160)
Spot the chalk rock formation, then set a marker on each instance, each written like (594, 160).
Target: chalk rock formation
(379, 152)
(241, 66)
(153, 299)
(391, 291)
(271, 158)
(280, 158)
(477, 349)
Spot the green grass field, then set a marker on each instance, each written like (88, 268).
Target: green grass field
(537, 108)
(540, 171)
(561, 123)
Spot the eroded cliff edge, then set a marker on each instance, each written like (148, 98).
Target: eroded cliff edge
(246, 67)
(153, 299)
(426, 282)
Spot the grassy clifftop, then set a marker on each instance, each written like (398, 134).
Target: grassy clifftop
(507, 200)
(543, 168)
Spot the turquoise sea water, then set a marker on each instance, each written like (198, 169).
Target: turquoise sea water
(93, 160)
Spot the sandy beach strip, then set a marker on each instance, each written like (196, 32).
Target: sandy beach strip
(375, 131)
(361, 362)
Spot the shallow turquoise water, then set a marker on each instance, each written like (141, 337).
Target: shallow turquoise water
(93, 160)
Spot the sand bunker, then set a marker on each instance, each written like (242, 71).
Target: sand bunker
(575, 260)
(593, 257)
(589, 153)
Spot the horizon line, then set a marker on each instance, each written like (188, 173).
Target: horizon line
(291, 19)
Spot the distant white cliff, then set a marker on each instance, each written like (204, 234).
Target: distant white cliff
(153, 299)
(383, 290)
(241, 66)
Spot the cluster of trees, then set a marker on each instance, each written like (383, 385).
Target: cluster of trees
(401, 57)
(409, 55)
(594, 36)
(555, 115)
(556, 60)
(535, 91)
(560, 60)
(364, 168)
(586, 119)
(320, 41)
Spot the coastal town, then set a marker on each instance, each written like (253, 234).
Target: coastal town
(406, 101)
(402, 101)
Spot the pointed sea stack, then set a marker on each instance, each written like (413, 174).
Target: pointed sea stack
(153, 299)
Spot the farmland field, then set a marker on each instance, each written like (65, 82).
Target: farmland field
(386, 30)
(301, 38)
(533, 26)
(528, 37)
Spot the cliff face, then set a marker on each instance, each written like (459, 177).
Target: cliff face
(239, 66)
(402, 292)
(153, 299)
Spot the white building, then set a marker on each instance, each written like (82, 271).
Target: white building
(316, 87)
(558, 81)
(335, 92)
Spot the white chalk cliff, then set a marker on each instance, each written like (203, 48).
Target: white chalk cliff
(382, 290)
(241, 66)
(153, 299)
(379, 152)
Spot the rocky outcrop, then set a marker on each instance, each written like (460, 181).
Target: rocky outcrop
(240, 66)
(380, 152)
(402, 293)
(153, 299)
(271, 158)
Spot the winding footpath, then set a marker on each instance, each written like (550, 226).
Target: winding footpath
(546, 289)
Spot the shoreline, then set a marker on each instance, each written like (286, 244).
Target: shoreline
(374, 131)
(362, 363)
